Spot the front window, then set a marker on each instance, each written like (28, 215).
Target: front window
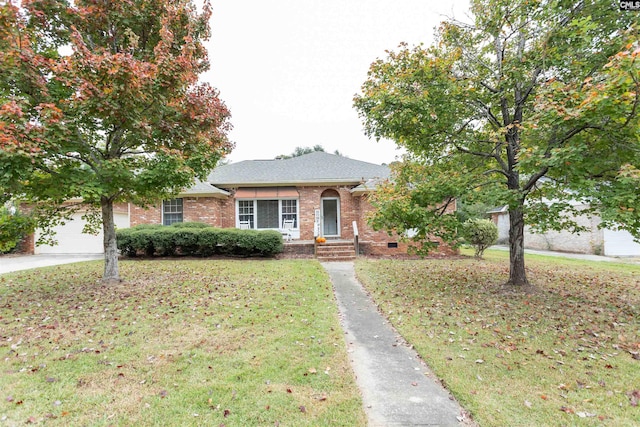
(290, 211)
(245, 213)
(171, 211)
(266, 214)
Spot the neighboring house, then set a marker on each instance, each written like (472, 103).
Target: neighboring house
(593, 241)
(316, 194)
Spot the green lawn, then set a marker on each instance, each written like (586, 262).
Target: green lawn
(565, 355)
(208, 343)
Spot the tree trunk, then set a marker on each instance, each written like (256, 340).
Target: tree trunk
(111, 272)
(517, 273)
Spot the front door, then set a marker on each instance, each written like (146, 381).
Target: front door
(331, 217)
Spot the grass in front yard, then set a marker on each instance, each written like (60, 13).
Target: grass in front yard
(213, 343)
(567, 354)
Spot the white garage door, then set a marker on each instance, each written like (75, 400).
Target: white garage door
(620, 243)
(71, 239)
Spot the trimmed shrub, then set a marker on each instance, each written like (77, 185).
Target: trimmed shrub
(164, 241)
(186, 238)
(208, 241)
(124, 242)
(196, 240)
(189, 225)
(481, 233)
(148, 227)
(142, 240)
(268, 243)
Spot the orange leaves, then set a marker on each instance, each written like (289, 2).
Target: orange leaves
(49, 113)
(11, 108)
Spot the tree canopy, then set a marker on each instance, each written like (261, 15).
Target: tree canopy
(300, 151)
(532, 105)
(120, 117)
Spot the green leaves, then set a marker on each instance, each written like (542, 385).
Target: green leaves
(13, 227)
(481, 233)
(535, 100)
(122, 117)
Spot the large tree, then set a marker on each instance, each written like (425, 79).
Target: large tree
(532, 105)
(120, 117)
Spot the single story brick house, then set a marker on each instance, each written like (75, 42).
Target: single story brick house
(316, 194)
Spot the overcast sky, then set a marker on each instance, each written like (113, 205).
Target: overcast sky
(288, 69)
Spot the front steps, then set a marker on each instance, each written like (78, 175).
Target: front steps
(335, 250)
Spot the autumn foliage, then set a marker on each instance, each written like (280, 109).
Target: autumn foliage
(101, 102)
(532, 105)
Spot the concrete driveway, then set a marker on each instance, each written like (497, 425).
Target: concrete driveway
(25, 262)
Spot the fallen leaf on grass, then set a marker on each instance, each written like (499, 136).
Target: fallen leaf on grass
(567, 410)
(585, 414)
(313, 371)
(303, 409)
(162, 394)
(634, 397)
(527, 404)
(226, 413)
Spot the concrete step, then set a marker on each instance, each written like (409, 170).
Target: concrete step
(335, 251)
(335, 248)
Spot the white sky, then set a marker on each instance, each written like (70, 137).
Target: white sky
(288, 69)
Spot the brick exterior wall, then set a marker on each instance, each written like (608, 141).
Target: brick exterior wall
(27, 245)
(195, 209)
(221, 213)
(150, 215)
(378, 243)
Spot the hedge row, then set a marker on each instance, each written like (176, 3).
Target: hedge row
(197, 239)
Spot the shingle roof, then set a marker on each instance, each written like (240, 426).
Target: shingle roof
(204, 189)
(313, 168)
(367, 186)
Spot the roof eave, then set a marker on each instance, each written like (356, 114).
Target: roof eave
(322, 182)
(220, 194)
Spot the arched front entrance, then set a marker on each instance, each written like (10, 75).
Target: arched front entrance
(330, 213)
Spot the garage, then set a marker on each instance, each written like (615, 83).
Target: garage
(620, 243)
(71, 239)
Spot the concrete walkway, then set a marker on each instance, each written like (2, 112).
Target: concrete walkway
(26, 262)
(397, 387)
(587, 257)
